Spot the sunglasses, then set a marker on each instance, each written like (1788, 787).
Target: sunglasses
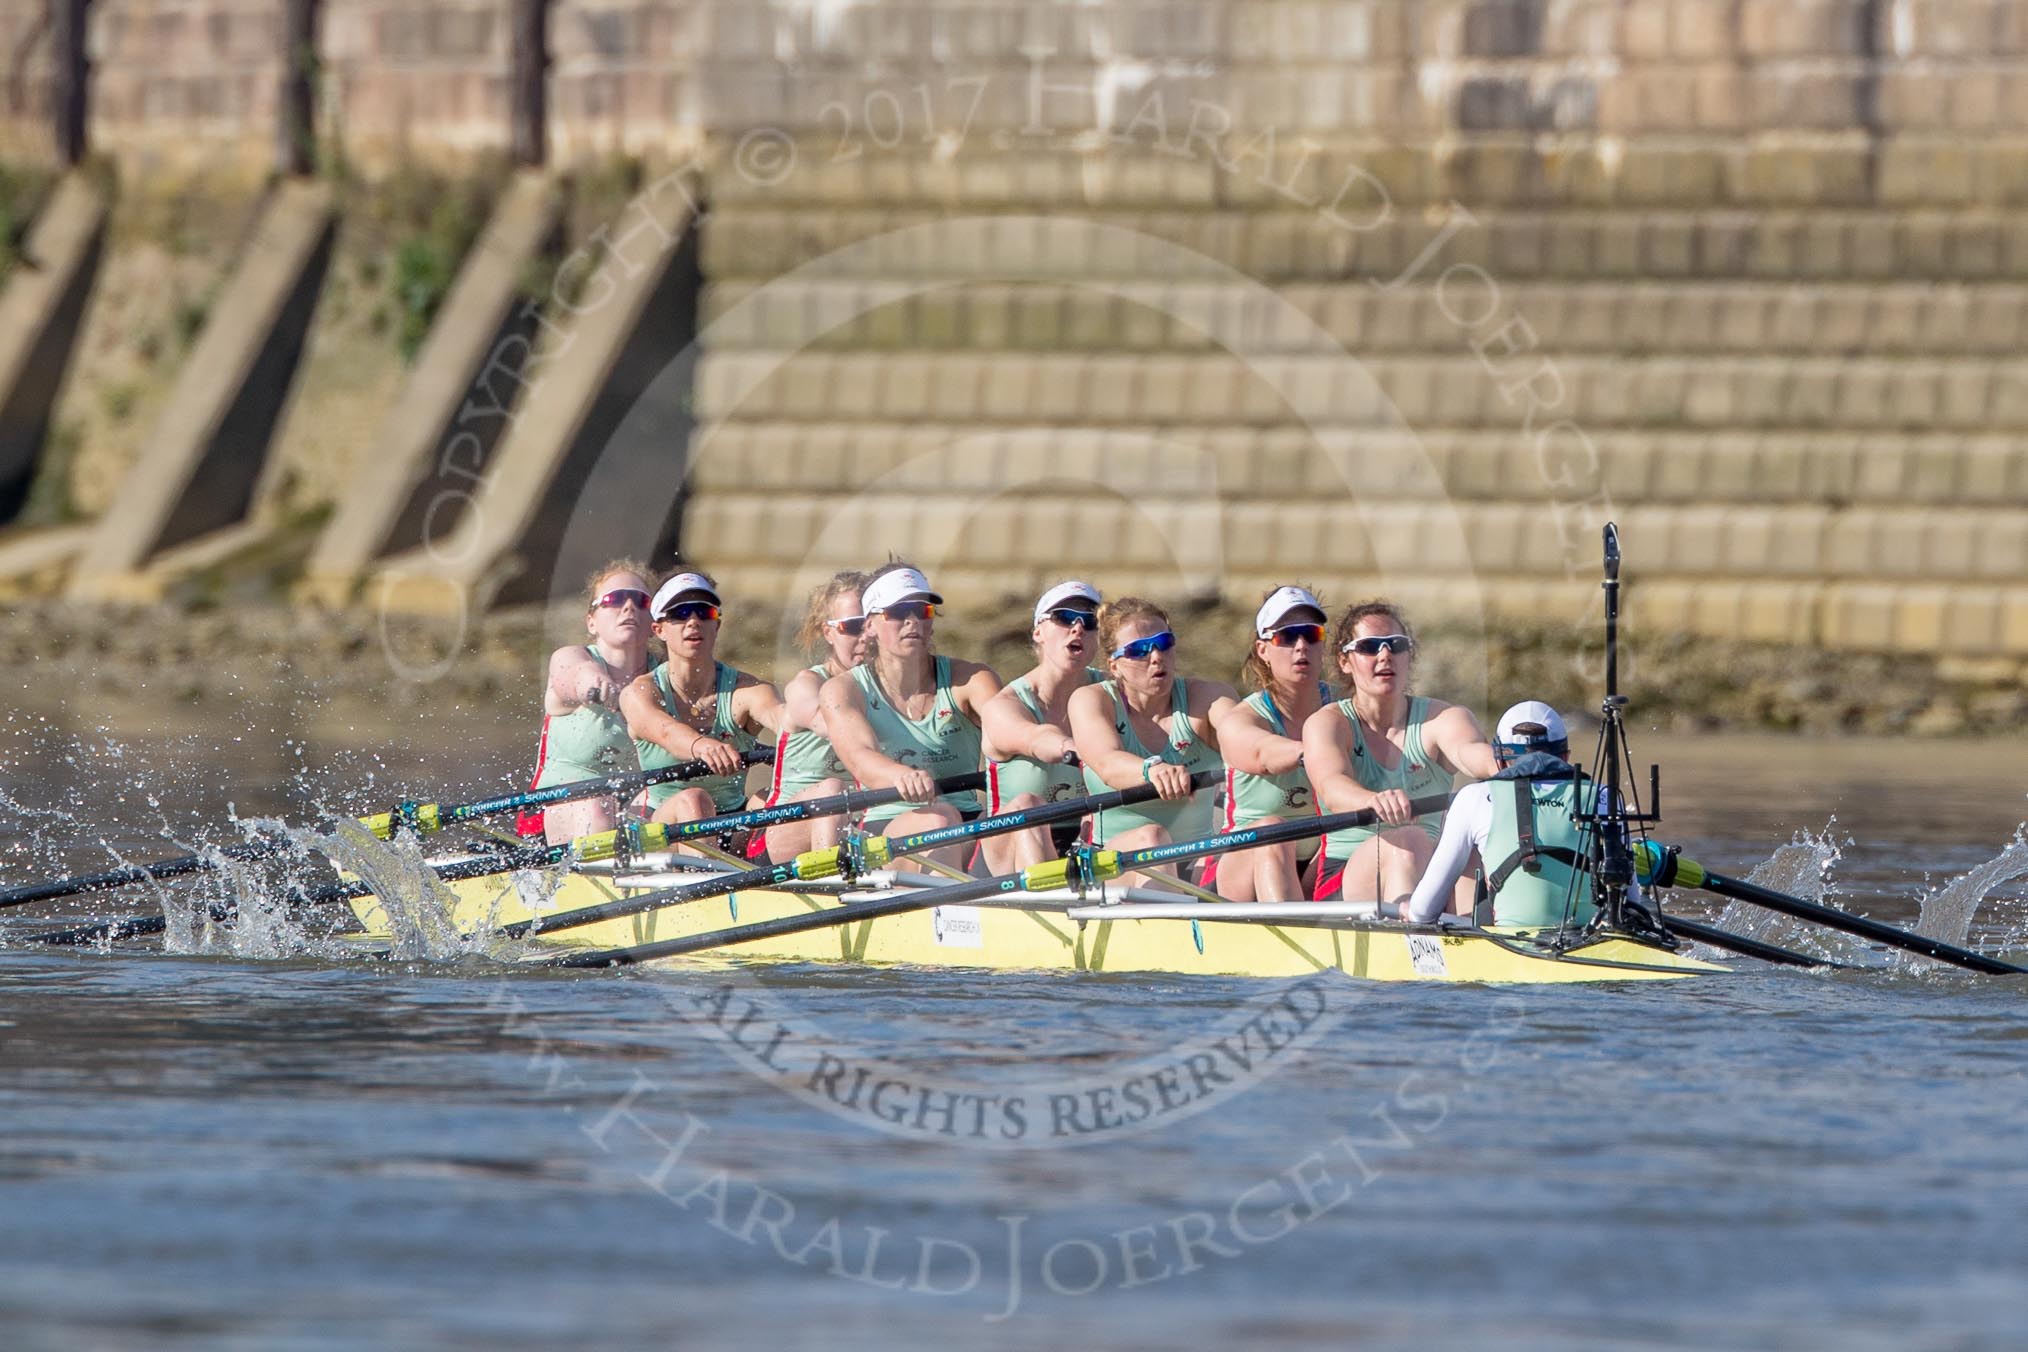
(1380, 643)
(851, 626)
(689, 610)
(1289, 635)
(622, 596)
(910, 610)
(1142, 648)
(1068, 618)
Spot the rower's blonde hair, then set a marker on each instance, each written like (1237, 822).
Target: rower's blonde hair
(810, 634)
(592, 592)
(1254, 675)
(1114, 616)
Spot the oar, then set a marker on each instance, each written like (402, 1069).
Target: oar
(1663, 866)
(1738, 943)
(872, 852)
(1043, 877)
(422, 818)
(629, 838)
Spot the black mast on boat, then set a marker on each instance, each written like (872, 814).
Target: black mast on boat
(1612, 820)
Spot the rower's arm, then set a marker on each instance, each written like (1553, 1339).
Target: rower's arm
(1327, 755)
(1251, 746)
(844, 710)
(572, 673)
(1211, 701)
(1098, 740)
(1462, 743)
(1012, 730)
(799, 701)
(759, 705)
(1466, 825)
(650, 722)
(976, 685)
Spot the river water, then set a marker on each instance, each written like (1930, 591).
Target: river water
(299, 1152)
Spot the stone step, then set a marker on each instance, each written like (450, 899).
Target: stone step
(1025, 235)
(1097, 528)
(1137, 315)
(1927, 470)
(1598, 395)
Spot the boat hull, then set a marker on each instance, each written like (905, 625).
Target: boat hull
(1038, 934)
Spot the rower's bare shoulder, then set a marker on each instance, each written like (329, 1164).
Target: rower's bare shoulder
(965, 672)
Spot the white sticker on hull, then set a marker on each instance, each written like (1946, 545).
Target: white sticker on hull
(1426, 955)
(957, 927)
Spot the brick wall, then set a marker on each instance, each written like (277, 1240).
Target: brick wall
(1401, 293)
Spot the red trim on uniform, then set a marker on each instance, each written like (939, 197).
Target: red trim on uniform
(529, 821)
(1330, 881)
(1231, 815)
(775, 780)
(992, 788)
(757, 846)
(1209, 877)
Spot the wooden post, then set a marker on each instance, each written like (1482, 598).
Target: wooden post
(528, 80)
(70, 78)
(296, 130)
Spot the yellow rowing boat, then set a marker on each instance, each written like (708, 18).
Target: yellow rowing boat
(1058, 932)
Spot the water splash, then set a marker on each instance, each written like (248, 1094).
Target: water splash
(426, 919)
(1946, 912)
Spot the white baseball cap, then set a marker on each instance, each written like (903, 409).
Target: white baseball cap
(892, 588)
(1279, 604)
(1065, 592)
(676, 586)
(1531, 714)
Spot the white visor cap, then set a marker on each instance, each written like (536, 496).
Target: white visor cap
(1285, 599)
(1063, 593)
(1531, 711)
(676, 586)
(892, 588)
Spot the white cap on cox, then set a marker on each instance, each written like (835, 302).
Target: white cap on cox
(676, 586)
(1063, 593)
(1283, 600)
(1532, 723)
(892, 588)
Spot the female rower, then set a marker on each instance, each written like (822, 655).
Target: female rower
(1147, 725)
(1262, 740)
(1030, 758)
(905, 717)
(1379, 748)
(694, 707)
(584, 734)
(805, 765)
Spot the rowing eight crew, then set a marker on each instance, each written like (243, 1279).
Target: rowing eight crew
(885, 710)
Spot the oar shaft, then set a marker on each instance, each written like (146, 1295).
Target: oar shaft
(135, 873)
(1831, 918)
(1740, 944)
(1255, 836)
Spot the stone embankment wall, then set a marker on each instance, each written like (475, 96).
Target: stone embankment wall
(1197, 297)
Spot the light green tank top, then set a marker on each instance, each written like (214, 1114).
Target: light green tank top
(1248, 798)
(728, 792)
(1187, 820)
(943, 741)
(1024, 774)
(1415, 774)
(1537, 900)
(589, 742)
(803, 758)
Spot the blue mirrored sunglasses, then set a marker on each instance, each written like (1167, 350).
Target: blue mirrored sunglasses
(1141, 648)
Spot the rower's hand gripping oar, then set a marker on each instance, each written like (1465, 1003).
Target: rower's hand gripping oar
(421, 818)
(1072, 870)
(1664, 866)
(850, 858)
